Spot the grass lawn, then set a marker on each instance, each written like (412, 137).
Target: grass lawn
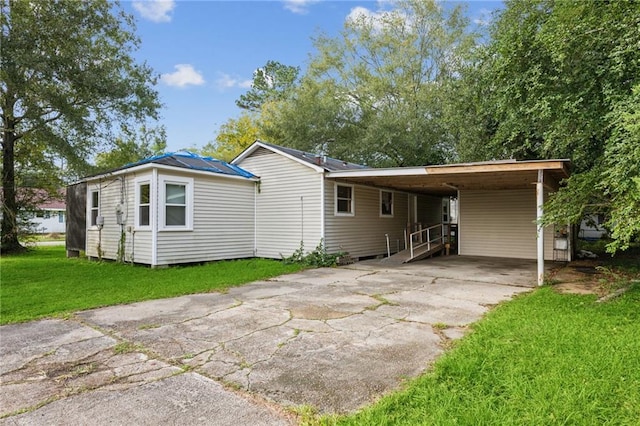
(541, 359)
(43, 282)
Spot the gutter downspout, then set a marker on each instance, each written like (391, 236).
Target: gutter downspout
(540, 230)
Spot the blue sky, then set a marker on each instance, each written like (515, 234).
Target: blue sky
(206, 51)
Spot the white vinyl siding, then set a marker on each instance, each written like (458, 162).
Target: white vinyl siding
(223, 222)
(500, 224)
(137, 247)
(363, 234)
(287, 204)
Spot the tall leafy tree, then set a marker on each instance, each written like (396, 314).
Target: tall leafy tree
(133, 146)
(272, 82)
(234, 136)
(376, 92)
(557, 81)
(67, 77)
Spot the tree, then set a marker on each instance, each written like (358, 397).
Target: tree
(233, 137)
(67, 79)
(558, 81)
(133, 147)
(375, 94)
(272, 82)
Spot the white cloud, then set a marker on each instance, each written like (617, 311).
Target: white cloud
(299, 7)
(225, 81)
(155, 10)
(377, 20)
(184, 75)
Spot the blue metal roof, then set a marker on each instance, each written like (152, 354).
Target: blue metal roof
(191, 161)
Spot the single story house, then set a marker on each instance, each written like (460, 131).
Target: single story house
(171, 209)
(181, 208)
(40, 211)
(49, 217)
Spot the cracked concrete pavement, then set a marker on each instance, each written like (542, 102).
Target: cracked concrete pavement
(331, 338)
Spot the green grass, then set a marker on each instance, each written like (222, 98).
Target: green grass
(541, 359)
(43, 282)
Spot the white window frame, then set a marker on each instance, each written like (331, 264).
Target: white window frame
(91, 207)
(335, 200)
(382, 214)
(138, 183)
(175, 180)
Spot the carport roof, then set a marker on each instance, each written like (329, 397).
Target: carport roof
(447, 179)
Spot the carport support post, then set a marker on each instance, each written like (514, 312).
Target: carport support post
(540, 230)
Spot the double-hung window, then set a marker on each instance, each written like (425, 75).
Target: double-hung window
(143, 204)
(177, 203)
(386, 204)
(94, 207)
(344, 201)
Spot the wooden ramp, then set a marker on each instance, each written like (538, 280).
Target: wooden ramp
(404, 256)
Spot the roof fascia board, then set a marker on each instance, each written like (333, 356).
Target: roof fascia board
(394, 171)
(498, 167)
(151, 166)
(258, 144)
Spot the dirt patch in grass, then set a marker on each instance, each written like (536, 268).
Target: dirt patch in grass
(602, 276)
(580, 277)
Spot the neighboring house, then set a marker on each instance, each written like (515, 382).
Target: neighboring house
(49, 216)
(592, 228)
(180, 208)
(40, 211)
(171, 209)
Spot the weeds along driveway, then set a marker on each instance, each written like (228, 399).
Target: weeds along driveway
(334, 339)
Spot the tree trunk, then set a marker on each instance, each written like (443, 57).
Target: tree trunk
(10, 243)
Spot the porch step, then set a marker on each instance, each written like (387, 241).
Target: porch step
(404, 256)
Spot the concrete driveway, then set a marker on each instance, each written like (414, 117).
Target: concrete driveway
(334, 339)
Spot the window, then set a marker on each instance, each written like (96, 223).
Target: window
(177, 198)
(144, 204)
(94, 206)
(60, 217)
(344, 200)
(386, 203)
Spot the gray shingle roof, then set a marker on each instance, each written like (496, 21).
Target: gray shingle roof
(328, 163)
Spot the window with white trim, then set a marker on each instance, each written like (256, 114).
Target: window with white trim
(386, 204)
(176, 211)
(175, 204)
(344, 200)
(94, 207)
(143, 204)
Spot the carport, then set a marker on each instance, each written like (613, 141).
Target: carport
(500, 202)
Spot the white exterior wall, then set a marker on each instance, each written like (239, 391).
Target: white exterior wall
(500, 224)
(223, 222)
(112, 191)
(287, 204)
(56, 222)
(363, 234)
